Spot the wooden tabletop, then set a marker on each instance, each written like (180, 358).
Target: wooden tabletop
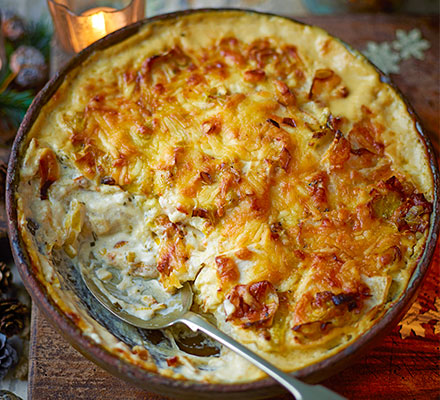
(405, 365)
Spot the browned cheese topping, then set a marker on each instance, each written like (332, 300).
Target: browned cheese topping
(305, 218)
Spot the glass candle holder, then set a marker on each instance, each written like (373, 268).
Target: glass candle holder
(79, 23)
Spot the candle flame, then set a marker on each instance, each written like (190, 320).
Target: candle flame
(93, 25)
(98, 23)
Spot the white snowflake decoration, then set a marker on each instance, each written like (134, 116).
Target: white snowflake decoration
(383, 56)
(410, 44)
(387, 55)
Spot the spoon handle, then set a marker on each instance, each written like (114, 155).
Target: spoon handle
(299, 389)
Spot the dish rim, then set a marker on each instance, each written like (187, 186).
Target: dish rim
(153, 380)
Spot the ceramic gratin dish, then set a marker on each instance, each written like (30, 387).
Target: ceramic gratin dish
(145, 358)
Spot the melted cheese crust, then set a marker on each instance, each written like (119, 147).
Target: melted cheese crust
(255, 157)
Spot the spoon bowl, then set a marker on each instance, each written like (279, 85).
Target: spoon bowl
(181, 303)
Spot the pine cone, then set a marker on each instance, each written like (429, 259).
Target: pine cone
(5, 278)
(29, 65)
(12, 25)
(7, 395)
(8, 356)
(12, 316)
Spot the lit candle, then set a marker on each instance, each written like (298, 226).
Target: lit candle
(97, 22)
(76, 29)
(92, 25)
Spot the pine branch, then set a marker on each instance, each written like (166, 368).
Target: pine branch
(13, 105)
(38, 35)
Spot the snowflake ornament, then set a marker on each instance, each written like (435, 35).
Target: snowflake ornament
(410, 44)
(383, 56)
(387, 55)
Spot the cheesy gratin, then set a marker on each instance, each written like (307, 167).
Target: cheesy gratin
(254, 157)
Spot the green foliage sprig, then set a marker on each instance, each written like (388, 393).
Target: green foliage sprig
(38, 35)
(14, 103)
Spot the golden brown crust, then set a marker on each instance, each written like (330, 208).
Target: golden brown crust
(266, 165)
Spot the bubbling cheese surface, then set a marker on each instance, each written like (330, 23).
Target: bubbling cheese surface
(254, 157)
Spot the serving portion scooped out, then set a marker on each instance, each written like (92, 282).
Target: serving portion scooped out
(254, 158)
(176, 309)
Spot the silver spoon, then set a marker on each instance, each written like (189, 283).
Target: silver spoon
(180, 313)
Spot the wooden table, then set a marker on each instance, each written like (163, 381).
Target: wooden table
(398, 368)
